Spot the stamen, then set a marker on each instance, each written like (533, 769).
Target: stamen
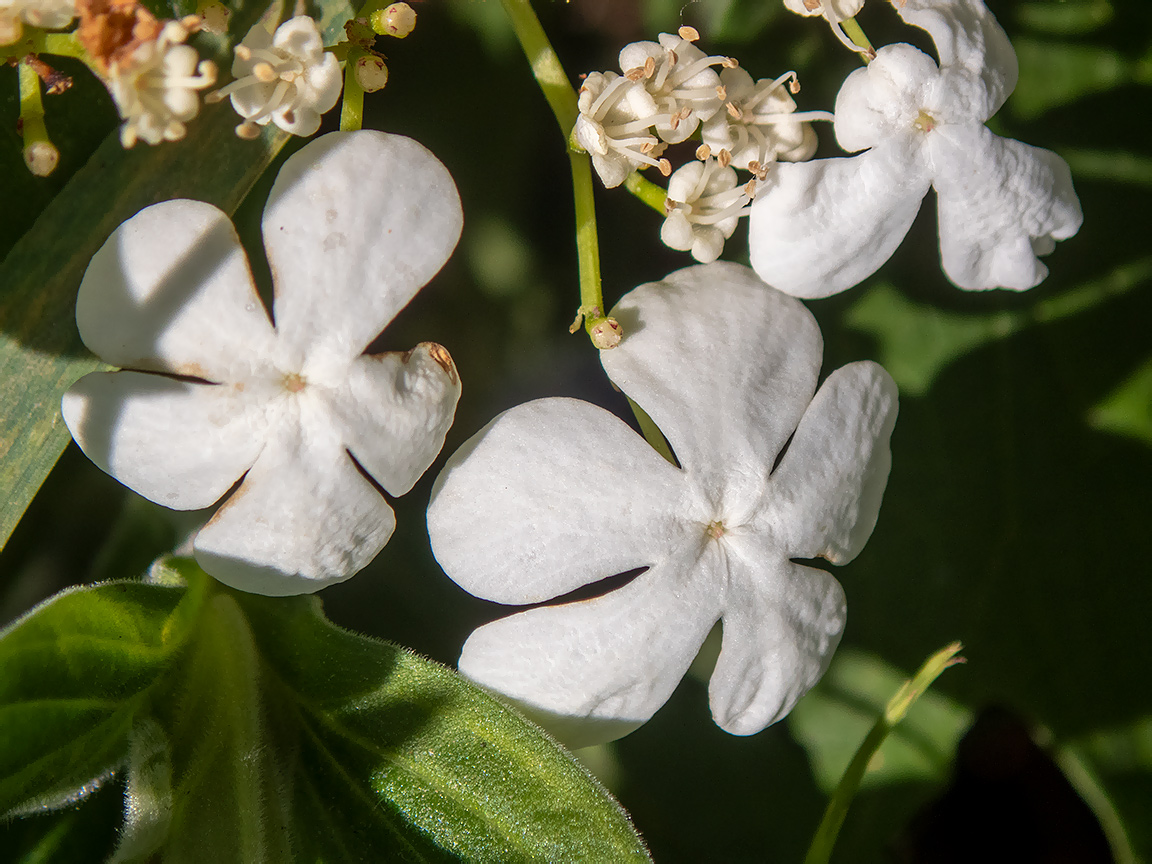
(703, 152)
(689, 34)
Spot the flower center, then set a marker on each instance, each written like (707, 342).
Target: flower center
(715, 529)
(294, 382)
(924, 121)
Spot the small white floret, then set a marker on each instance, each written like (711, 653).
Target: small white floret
(156, 86)
(286, 78)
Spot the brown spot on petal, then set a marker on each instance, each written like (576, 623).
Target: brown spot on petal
(443, 359)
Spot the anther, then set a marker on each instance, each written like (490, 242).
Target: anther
(724, 158)
(688, 34)
(665, 167)
(703, 152)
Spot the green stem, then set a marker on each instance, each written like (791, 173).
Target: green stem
(39, 42)
(553, 81)
(40, 154)
(546, 66)
(825, 838)
(352, 108)
(587, 241)
(647, 191)
(854, 32)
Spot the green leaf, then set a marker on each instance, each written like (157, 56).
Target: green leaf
(1058, 73)
(76, 671)
(82, 834)
(835, 716)
(1127, 410)
(397, 756)
(1067, 17)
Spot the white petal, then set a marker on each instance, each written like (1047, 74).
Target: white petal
(170, 290)
(594, 670)
(549, 496)
(825, 495)
(821, 227)
(781, 625)
(724, 365)
(177, 443)
(884, 99)
(975, 54)
(395, 410)
(1000, 202)
(356, 223)
(303, 518)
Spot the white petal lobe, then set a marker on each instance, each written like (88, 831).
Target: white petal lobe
(355, 225)
(594, 670)
(171, 291)
(177, 443)
(823, 226)
(513, 509)
(780, 631)
(825, 495)
(1000, 203)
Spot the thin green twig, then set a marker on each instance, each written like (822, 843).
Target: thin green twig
(825, 838)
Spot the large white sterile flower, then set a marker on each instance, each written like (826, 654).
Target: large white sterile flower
(833, 11)
(556, 494)
(286, 78)
(820, 227)
(356, 223)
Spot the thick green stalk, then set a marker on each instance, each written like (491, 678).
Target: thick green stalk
(40, 154)
(825, 838)
(352, 108)
(553, 81)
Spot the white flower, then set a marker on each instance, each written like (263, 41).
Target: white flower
(704, 204)
(295, 408)
(833, 12)
(759, 123)
(820, 227)
(677, 85)
(45, 14)
(155, 86)
(614, 136)
(557, 493)
(286, 78)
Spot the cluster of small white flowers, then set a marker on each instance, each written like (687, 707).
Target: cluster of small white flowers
(286, 78)
(155, 86)
(45, 14)
(668, 91)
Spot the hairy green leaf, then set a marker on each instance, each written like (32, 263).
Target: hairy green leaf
(76, 671)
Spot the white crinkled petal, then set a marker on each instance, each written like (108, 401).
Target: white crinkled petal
(170, 290)
(303, 518)
(356, 224)
(782, 622)
(594, 670)
(975, 54)
(825, 494)
(177, 443)
(818, 228)
(1000, 203)
(883, 99)
(724, 365)
(548, 497)
(300, 38)
(395, 410)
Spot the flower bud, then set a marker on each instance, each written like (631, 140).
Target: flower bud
(371, 73)
(397, 20)
(41, 157)
(606, 333)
